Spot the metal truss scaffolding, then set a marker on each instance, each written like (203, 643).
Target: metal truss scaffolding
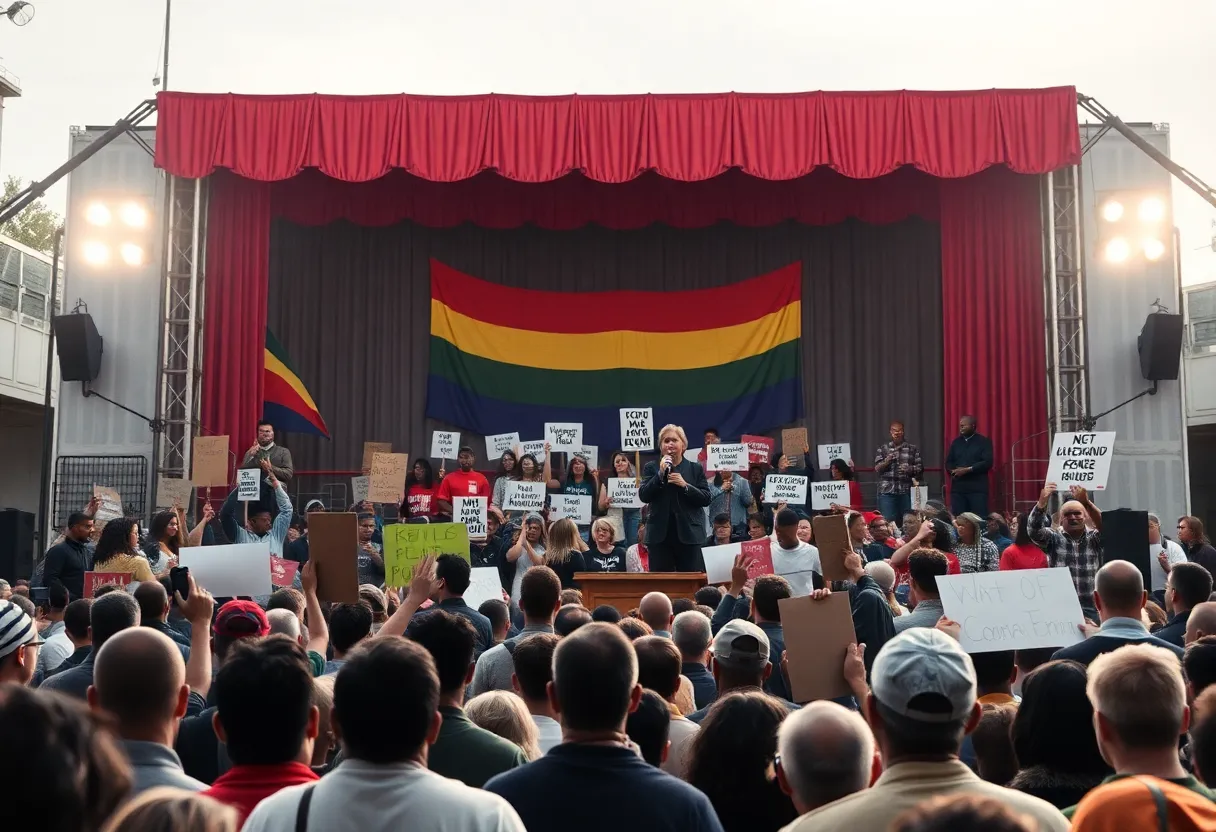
(1064, 300)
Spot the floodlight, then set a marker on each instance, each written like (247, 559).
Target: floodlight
(1117, 250)
(134, 215)
(96, 253)
(1112, 211)
(1152, 209)
(97, 214)
(1153, 248)
(132, 254)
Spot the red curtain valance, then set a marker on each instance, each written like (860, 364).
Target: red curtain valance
(617, 138)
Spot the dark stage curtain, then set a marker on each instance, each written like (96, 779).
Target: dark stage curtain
(352, 306)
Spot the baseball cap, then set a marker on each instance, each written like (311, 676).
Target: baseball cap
(1143, 803)
(741, 644)
(919, 662)
(240, 619)
(16, 628)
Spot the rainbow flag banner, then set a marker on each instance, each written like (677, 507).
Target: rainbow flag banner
(286, 403)
(506, 359)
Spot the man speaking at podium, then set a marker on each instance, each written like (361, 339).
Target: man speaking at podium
(677, 493)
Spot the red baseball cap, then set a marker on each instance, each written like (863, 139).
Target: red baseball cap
(240, 619)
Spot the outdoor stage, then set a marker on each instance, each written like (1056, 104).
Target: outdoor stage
(916, 219)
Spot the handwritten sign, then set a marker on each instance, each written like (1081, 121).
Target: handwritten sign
(444, 444)
(575, 506)
(793, 441)
(785, 488)
(249, 484)
(759, 448)
(95, 580)
(722, 457)
(209, 455)
(229, 570)
(536, 449)
(920, 497)
(499, 443)
(1081, 459)
(472, 512)
(637, 429)
(623, 493)
(387, 478)
(406, 544)
(590, 454)
(1017, 610)
(524, 496)
(563, 436)
(110, 507)
(370, 449)
(358, 488)
(484, 585)
(827, 453)
(283, 571)
(760, 555)
(824, 494)
(171, 491)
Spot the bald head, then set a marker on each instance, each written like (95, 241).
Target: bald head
(1202, 622)
(655, 610)
(827, 752)
(284, 622)
(1073, 517)
(1119, 591)
(140, 678)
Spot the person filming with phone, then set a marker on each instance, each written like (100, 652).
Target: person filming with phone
(676, 491)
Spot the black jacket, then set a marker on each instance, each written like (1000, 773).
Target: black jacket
(872, 621)
(974, 453)
(67, 562)
(665, 500)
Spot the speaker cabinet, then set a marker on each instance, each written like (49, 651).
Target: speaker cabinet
(79, 346)
(1160, 347)
(16, 544)
(1125, 537)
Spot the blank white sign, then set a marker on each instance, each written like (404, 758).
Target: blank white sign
(231, 570)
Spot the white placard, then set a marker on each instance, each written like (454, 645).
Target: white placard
(1015, 610)
(637, 428)
(785, 488)
(110, 505)
(920, 497)
(499, 443)
(722, 457)
(823, 494)
(444, 444)
(719, 560)
(537, 449)
(623, 492)
(484, 585)
(827, 453)
(1081, 459)
(693, 454)
(589, 453)
(230, 570)
(524, 496)
(358, 489)
(472, 512)
(575, 506)
(563, 436)
(249, 484)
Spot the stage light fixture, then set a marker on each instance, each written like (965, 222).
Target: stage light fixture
(1112, 211)
(96, 253)
(97, 214)
(1152, 210)
(134, 215)
(1153, 248)
(132, 254)
(1117, 250)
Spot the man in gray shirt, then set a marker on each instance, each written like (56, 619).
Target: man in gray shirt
(925, 566)
(539, 599)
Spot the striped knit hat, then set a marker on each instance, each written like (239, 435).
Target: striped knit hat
(16, 628)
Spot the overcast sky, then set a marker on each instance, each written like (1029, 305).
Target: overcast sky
(86, 62)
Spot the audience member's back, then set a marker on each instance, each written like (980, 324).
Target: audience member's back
(110, 614)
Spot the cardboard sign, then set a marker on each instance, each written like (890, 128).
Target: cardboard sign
(248, 484)
(110, 507)
(1081, 459)
(575, 506)
(406, 544)
(387, 478)
(524, 496)
(824, 494)
(171, 491)
(484, 585)
(333, 540)
(283, 571)
(920, 497)
(827, 453)
(793, 440)
(759, 448)
(637, 429)
(722, 457)
(472, 512)
(623, 493)
(358, 489)
(817, 638)
(719, 560)
(537, 449)
(563, 436)
(589, 454)
(94, 580)
(785, 488)
(370, 449)
(230, 570)
(832, 540)
(209, 458)
(761, 554)
(499, 443)
(1017, 610)
(444, 444)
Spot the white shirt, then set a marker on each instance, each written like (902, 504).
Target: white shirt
(1173, 553)
(796, 565)
(549, 732)
(369, 798)
(54, 650)
(681, 734)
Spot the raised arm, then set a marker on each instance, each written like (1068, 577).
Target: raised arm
(318, 630)
(1095, 514)
(228, 522)
(197, 610)
(282, 520)
(900, 556)
(421, 587)
(547, 470)
(196, 534)
(1039, 521)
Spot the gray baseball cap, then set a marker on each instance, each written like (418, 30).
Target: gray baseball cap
(741, 644)
(919, 662)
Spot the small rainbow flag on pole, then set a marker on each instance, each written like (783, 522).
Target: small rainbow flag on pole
(286, 402)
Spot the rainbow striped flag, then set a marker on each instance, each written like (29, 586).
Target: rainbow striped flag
(286, 403)
(506, 359)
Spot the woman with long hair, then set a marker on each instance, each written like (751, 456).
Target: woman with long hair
(420, 494)
(163, 808)
(564, 552)
(167, 536)
(508, 469)
(503, 713)
(582, 479)
(998, 531)
(527, 551)
(975, 552)
(624, 520)
(1023, 553)
(118, 550)
(841, 470)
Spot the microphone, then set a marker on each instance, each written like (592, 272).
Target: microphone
(665, 468)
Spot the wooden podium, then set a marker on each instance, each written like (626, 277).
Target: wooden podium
(624, 590)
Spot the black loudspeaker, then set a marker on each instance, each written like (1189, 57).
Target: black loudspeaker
(1125, 537)
(1160, 346)
(16, 544)
(79, 346)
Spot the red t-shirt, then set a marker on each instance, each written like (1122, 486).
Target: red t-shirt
(420, 500)
(460, 484)
(901, 572)
(243, 787)
(1023, 557)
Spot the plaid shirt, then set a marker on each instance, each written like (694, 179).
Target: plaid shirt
(980, 556)
(1082, 555)
(893, 481)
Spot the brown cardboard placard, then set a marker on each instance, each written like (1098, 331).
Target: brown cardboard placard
(333, 544)
(172, 490)
(817, 638)
(386, 480)
(210, 461)
(370, 449)
(832, 540)
(793, 444)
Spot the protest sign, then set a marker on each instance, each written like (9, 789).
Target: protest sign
(760, 556)
(537, 449)
(590, 454)
(719, 560)
(817, 638)
(563, 436)
(793, 441)
(824, 494)
(484, 585)
(472, 512)
(283, 571)
(575, 506)
(1081, 459)
(406, 544)
(358, 488)
(209, 456)
(230, 570)
(171, 491)
(785, 488)
(623, 493)
(920, 497)
(637, 429)
(370, 449)
(832, 540)
(499, 443)
(387, 478)
(760, 449)
(524, 496)
(827, 453)
(444, 444)
(248, 484)
(95, 580)
(1016, 610)
(722, 457)
(110, 507)
(333, 543)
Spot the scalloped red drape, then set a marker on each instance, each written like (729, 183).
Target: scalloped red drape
(628, 161)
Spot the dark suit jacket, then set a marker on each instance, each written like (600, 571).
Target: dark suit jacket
(688, 504)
